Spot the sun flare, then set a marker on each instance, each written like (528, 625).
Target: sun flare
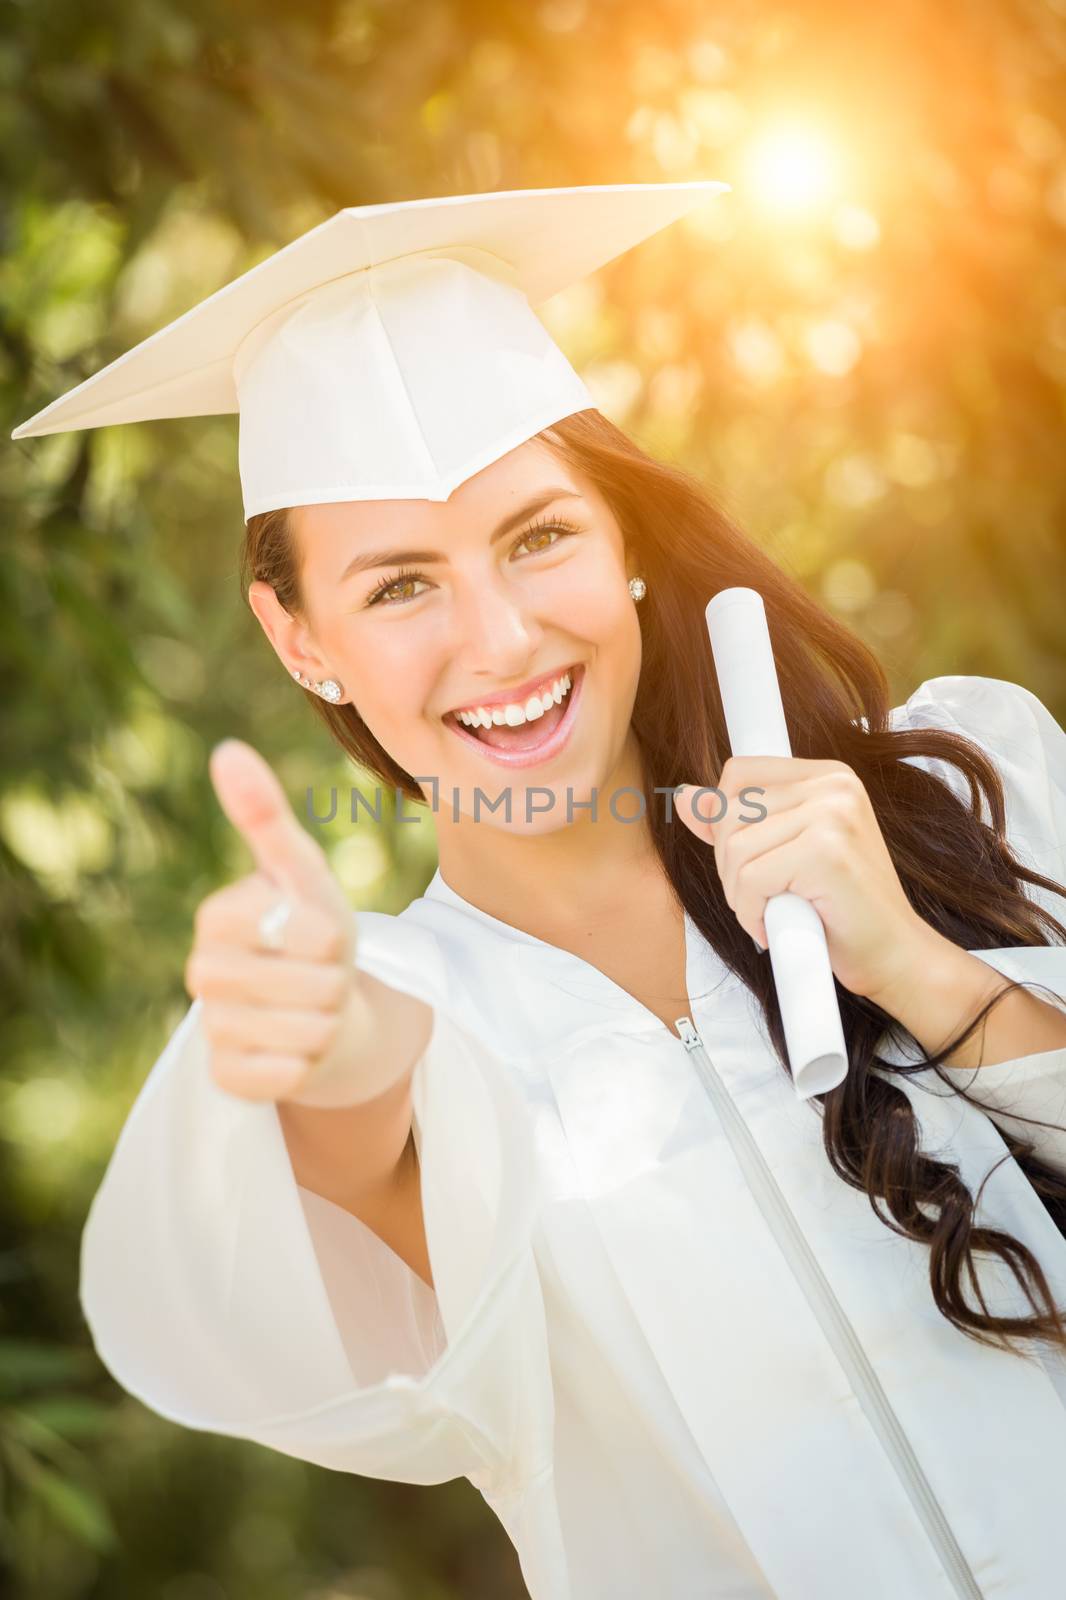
(793, 168)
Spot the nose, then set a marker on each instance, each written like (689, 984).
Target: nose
(497, 635)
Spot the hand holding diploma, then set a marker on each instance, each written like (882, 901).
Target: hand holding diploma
(811, 879)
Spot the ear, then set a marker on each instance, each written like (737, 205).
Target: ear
(287, 633)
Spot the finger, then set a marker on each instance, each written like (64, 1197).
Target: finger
(281, 1029)
(714, 816)
(701, 809)
(257, 1074)
(221, 972)
(751, 896)
(726, 837)
(748, 841)
(819, 788)
(254, 801)
(804, 865)
(231, 916)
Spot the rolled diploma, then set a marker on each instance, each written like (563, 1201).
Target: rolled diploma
(755, 719)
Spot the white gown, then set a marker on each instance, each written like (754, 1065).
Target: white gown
(673, 1351)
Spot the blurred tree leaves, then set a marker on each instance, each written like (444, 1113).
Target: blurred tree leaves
(48, 1480)
(872, 377)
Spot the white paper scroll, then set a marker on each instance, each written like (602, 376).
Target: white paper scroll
(755, 719)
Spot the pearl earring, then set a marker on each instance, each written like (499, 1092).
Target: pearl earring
(328, 689)
(638, 588)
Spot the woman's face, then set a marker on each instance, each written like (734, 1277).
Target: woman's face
(421, 608)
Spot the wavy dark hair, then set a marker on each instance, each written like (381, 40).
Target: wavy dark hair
(958, 872)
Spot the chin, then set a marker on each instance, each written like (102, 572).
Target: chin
(577, 785)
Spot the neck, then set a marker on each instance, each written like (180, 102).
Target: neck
(582, 873)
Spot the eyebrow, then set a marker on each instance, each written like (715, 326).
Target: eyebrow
(389, 558)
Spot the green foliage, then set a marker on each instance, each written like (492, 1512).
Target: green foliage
(874, 380)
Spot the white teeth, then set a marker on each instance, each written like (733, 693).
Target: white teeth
(515, 713)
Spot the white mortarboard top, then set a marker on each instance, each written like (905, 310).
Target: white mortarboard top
(390, 352)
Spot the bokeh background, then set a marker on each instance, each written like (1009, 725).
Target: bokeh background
(862, 350)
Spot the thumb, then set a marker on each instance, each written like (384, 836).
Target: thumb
(698, 810)
(254, 801)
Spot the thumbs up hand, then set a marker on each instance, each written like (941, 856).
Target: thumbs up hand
(293, 1024)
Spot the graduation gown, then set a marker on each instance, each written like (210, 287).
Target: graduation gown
(672, 1350)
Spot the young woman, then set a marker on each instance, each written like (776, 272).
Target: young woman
(515, 1185)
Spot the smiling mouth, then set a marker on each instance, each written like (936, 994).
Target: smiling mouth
(528, 736)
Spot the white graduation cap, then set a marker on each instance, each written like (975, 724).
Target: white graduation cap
(390, 352)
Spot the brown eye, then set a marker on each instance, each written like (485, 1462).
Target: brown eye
(541, 533)
(383, 593)
(551, 525)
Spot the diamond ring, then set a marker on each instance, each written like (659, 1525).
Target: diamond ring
(272, 924)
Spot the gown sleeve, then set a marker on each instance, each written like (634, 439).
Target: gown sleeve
(1028, 748)
(228, 1298)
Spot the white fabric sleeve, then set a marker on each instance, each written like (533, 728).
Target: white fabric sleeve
(1028, 748)
(227, 1298)
(387, 1316)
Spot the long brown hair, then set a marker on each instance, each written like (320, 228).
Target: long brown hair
(958, 872)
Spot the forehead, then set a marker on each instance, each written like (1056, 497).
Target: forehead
(475, 506)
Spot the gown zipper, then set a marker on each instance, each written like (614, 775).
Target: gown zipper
(831, 1316)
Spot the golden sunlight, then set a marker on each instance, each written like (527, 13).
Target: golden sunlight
(793, 168)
